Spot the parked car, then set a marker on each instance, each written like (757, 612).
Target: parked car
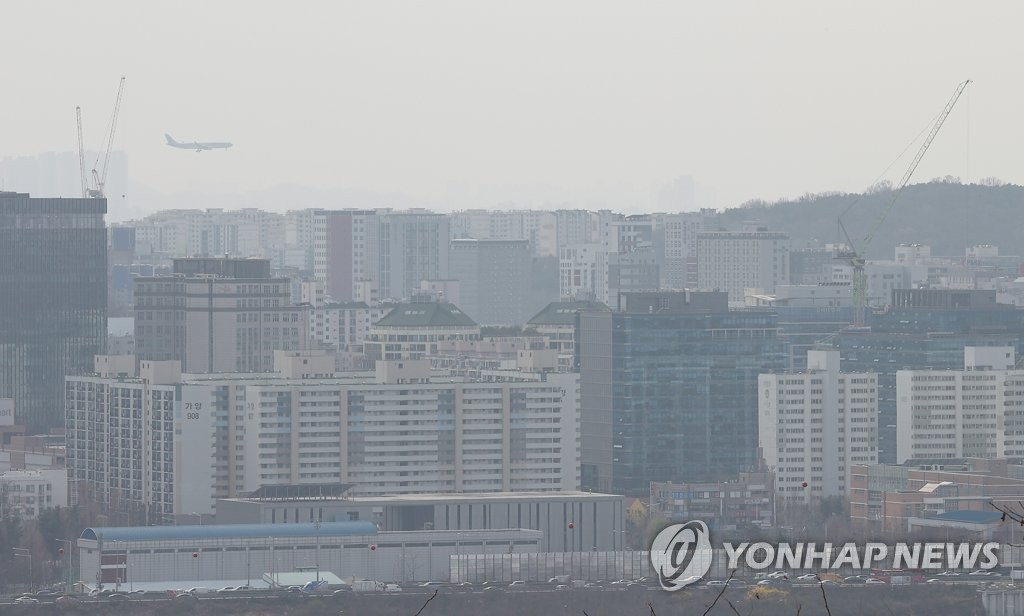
(874, 581)
(808, 577)
(26, 600)
(517, 584)
(717, 583)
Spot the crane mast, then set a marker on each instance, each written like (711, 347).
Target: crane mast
(856, 258)
(81, 155)
(99, 177)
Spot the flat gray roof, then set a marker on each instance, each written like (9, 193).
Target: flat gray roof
(424, 499)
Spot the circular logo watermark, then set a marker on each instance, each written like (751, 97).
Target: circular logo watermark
(681, 554)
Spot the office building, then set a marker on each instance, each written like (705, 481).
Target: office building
(814, 426)
(669, 389)
(495, 279)
(924, 329)
(218, 315)
(734, 261)
(53, 300)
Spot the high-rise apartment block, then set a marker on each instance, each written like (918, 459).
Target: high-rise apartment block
(977, 412)
(166, 444)
(53, 300)
(754, 258)
(218, 315)
(814, 425)
(494, 279)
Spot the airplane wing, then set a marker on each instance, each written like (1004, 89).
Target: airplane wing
(202, 146)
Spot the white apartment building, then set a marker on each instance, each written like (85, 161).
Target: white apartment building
(813, 426)
(341, 326)
(976, 412)
(170, 445)
(137, 443)
(26, 493)
(676, 235)
(538, 226)
(754, 258)
(583, 272)
(217, 314)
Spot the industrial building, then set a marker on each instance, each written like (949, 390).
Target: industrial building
(201, 555)
(568, 520)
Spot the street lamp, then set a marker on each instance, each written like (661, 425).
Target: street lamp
(25, 552)
(316, 525)
(67, 563)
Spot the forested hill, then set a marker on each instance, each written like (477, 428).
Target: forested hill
(947, 216)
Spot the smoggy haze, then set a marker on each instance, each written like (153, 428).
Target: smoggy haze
(481, 103)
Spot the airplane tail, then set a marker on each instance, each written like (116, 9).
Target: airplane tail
(170, 140)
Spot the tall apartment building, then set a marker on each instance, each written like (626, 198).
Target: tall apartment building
(814, 425)
(341, 326)
(977, 412)
(754, 258)
(53, 300)
(138, 444)
(675, 239)
(249, 232)
(413, 246)
(537, 226)
(494, 279)
(669, 389)
(218, 315)
(583, 272)
(398, 431)
(345, 249)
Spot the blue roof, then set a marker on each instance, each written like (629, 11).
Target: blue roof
(223, 531)
(976, 517)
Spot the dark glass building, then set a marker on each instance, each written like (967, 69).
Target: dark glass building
(668, 389)
(924, 329)
(53, 300)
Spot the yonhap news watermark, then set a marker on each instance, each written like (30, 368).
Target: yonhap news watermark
(682, 554)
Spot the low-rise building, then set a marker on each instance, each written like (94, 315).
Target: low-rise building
(26, 493)
(597, 519)
(413, 330)
(888, 497)
(748, 500)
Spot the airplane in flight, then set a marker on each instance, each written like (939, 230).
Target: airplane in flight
(196, 145)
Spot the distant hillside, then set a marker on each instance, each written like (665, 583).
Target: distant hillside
(946, 216)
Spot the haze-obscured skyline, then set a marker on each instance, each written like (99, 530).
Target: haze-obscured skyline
(478, 104)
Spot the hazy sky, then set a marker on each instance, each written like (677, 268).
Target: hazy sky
(484, 103)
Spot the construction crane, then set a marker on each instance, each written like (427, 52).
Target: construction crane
(859, 281)
(99, 177)
(81, 155)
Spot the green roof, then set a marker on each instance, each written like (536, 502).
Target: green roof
(426, 314)
(564, 313)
